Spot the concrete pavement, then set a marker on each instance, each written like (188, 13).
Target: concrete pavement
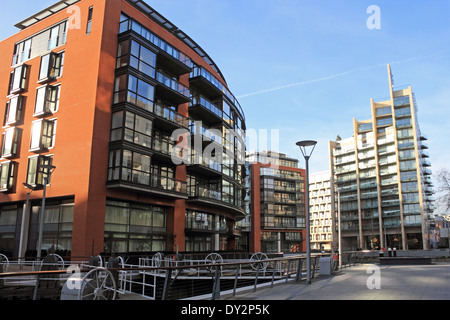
(363, 282)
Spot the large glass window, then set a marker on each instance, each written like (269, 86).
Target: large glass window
(405, 133)
(407, 165)
(17, 80)
(133, 227)
(128, 24)
(36, 172)
(134, 90)
(384, 121)
(403, 111)
(137, 129)
(136, 167)
(58, 226)
(10, 142)
(47, 100)
(399, 101)
(383, 111)
(7, 170)
(13, 112)
(142, 59)
(42, 134)
(51, 66)
(57, 36)
(26, 50)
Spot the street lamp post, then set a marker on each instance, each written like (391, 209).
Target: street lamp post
(45, 175)
(307, 148)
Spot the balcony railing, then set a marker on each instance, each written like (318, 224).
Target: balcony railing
(168, 113)
(168, 184)
(197, 159)
(172, 84)
(130, 24)
(205, 103)
(205, 192)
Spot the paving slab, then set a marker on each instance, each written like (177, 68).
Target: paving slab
(364, 282)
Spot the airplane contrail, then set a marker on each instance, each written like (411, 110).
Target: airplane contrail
(334, 76)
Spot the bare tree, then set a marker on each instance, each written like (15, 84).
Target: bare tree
(443, 188)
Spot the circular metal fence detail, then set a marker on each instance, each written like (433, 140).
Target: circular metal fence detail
(213, 258)
(98, 284)
(260, 262)
(4, 262)
(158, 259)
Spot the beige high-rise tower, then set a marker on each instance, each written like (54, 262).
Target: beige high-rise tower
(381, 177)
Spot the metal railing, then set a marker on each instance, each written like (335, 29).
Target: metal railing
(156, 278)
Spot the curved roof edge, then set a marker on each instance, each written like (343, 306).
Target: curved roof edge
(144, 8)
(162, 21)
(41, 15)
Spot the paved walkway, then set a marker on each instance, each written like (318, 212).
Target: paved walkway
(364, 282)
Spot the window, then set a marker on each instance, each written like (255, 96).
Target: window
(405, 133)
(89, 22)
(142, 59)
(134, 227)
(17, 80)
(114, 165)
(26, 50)
(7, 170)
(136, 91)
(51, 66)
(9, 142)
(137, 130)
(407, 165)
(383, 111)
(384, 121)
(403, 123)
(47, 100)
(133, 167)
(16, 54)
(13, 112)
(42, 135)
(36, 173)
(40, 43)
(402, 112)
(400, 101)
(54, 37)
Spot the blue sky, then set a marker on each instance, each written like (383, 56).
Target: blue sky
(307, 68)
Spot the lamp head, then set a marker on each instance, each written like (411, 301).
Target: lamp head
(306, 144)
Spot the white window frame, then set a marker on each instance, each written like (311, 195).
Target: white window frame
(13, 113)
(43, 102)
(37, 135)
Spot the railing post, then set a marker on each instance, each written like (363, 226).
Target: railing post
(273, 273)
(287, 270)
(299, 270)
(256, 277)
(236, 279)
(216, 286)
(165, 293)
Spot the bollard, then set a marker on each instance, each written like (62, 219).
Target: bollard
(389, 252)
(394, 251)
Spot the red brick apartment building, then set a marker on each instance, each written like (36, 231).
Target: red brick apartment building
(276, 220)
(95, 89)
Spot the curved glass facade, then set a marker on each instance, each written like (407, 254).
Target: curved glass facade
(175, 138)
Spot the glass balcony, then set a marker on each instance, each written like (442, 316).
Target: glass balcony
(170, 89)
(200, 160)
(206, 83)
(171, 115)
(150, 183)
(202, 108)
(128, 24)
